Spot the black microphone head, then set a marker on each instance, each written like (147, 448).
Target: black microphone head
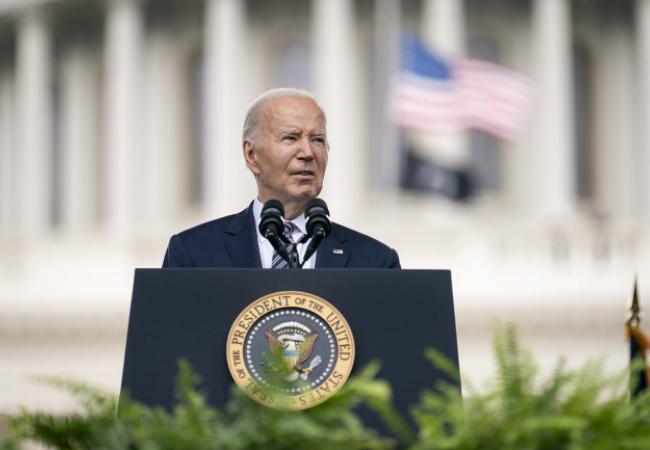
(315, 205)
(317, 214)
(271, 218)
(271, 205)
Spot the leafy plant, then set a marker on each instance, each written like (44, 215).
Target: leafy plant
(571, 410)
(243, 424)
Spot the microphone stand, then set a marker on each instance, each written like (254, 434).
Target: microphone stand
(294, 259)
(318, 227)
(316, 240)
(279, 243)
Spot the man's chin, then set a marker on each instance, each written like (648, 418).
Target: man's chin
(305, 194)
(300, 198)
(303, 197)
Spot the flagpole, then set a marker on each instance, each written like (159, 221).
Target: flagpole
(639, 345)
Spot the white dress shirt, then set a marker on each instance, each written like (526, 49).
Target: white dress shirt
(266, 249)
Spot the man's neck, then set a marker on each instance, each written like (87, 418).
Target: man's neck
(292, 209)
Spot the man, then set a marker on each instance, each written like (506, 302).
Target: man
(285, 147)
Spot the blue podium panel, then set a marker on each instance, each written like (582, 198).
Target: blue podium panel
(187, 313)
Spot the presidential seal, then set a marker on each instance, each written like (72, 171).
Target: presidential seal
(290, 350)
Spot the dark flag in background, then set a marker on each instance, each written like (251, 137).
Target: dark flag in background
(423, 175)
(639, 345)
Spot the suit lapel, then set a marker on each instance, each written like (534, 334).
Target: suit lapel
(241, 244)
(334, 251)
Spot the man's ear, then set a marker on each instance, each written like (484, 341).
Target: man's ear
(250, 156)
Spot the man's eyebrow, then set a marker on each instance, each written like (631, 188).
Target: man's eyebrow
(290, 131)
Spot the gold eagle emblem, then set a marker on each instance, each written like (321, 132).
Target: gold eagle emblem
(294, 352)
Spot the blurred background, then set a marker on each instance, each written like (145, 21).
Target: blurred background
(120, 124)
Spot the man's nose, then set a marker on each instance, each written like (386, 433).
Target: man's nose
(306, 151)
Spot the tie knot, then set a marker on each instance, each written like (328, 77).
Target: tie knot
(290, 246)
(289, 229)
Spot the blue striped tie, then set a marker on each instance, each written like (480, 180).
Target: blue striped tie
(278, 262)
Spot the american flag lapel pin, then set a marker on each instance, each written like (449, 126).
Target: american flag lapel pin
(337, 251)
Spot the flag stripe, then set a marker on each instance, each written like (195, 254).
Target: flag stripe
(430, 93)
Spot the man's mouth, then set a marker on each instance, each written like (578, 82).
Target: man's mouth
(303, 173)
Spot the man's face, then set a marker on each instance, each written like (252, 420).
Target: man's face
(289, 156)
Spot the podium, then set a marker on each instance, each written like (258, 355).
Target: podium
(187, 313)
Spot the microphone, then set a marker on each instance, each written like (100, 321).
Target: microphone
(272, 227)
(318, 225)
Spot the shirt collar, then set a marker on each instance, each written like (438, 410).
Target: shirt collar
(299, 221)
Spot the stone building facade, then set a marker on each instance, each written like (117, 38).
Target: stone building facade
(120, 123)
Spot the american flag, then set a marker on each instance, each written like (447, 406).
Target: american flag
(430, 93)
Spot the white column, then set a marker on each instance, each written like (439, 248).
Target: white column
(123, 40)
(167, 142)
(228, 185)
(443, 26)
(617, 179)
(553, 179)
(7, 154)
(79, 138)
(443, 29)
(34, 120)
(385, 139)
(337, 84)
(643, 56)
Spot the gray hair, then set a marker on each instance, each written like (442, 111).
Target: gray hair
(253, 120)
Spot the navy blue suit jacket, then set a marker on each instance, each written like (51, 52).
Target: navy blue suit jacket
(231, 241)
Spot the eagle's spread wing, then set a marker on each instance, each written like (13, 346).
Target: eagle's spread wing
(274, 344)
(306, 347)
